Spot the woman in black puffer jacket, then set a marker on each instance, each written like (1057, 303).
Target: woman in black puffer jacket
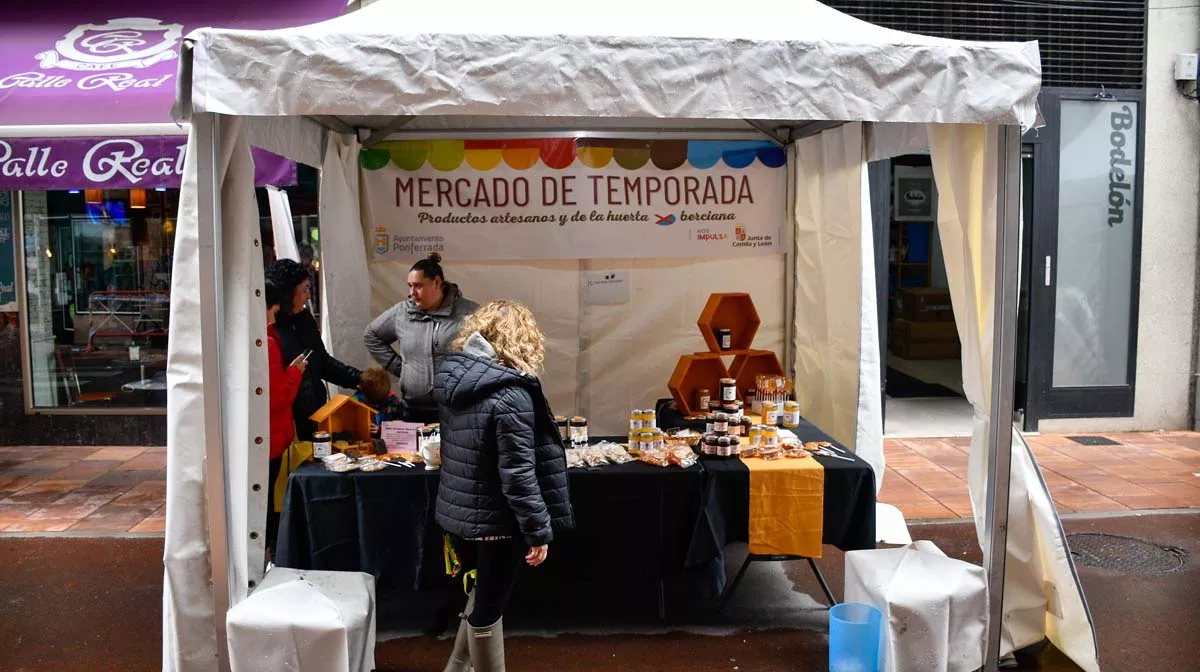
(504, 473)
(298, 332)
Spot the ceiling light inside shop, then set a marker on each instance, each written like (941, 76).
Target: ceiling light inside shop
(137, 199)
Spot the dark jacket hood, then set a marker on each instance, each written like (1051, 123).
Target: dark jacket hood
(465, 377)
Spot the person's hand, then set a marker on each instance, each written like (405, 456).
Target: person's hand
(537, 555)
(374, 428)
(300, 363)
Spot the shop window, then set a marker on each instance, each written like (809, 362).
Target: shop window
(98, 280)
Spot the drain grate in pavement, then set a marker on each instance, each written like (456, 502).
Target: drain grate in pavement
(1127, 555)
(1093, 441)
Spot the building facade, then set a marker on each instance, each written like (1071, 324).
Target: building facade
(90, 169)
(1110, 224)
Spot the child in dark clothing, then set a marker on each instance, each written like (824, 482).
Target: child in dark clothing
(375, 390)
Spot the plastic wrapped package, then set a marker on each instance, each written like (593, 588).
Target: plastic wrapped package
(681, 456)
(615, 453)
(574, 458)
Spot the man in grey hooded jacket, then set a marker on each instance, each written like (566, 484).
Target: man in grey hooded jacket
(423, 325)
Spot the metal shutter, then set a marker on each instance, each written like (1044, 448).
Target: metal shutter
(1084, 43)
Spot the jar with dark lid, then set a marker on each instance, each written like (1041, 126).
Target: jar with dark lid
(322, 444)
(579, 431)
(733, 411)
(725, 338)
(560, 421)
(728, 390)
(710, 445)
(709, 421)
(723, 446)
(720, 424)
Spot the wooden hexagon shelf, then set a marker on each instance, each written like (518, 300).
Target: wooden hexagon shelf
(733, 311)
(748, 366)
(693, 373)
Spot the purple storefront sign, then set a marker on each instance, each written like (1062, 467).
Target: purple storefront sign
(85, 63)
(72, 62)
(114, 163)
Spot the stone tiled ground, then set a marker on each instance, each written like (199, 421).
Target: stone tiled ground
(926, 478)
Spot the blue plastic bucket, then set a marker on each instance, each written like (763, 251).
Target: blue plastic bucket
(854, 636)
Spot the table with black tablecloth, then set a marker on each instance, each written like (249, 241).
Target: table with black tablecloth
(849, 502)
(632, 521)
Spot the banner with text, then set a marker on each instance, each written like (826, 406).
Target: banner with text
(115, 163)
(574, 198)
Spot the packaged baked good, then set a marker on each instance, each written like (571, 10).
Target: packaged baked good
(657, 457)
(681, 456)
(574, 458)
(593, 456)
(339, 462)
(369, 464)
(771, 453)
(615, 453)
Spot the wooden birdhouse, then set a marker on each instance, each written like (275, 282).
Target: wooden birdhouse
(345, 414)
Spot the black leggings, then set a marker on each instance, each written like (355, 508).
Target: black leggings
(499, 563)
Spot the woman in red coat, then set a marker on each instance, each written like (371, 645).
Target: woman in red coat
(284, 383)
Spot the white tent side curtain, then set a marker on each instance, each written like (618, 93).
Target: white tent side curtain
(1042, 594)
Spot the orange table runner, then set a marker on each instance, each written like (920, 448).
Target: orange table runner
(787, 506)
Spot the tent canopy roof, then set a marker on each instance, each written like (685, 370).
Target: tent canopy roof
(662, 64)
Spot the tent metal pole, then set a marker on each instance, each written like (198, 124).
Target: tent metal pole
(789, 266)
(1000, 427)
(627, 134)
(208, 188)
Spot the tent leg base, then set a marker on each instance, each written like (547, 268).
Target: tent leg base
(727, 595)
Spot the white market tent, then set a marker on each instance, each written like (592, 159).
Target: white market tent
(836, 91)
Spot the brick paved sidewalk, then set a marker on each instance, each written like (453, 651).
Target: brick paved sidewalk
(48, 489)
(926, 478)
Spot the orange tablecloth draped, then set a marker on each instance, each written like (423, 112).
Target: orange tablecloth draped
(787, 498)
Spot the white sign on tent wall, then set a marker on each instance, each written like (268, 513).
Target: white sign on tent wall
(606, 288)
(574, 198)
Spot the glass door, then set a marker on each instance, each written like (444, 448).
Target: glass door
(1085, 256)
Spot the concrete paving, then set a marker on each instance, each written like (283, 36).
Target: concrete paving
(81, 603)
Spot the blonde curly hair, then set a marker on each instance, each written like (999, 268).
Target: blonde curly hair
(512, 332)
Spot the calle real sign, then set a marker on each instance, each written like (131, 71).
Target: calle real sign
(113, 163)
